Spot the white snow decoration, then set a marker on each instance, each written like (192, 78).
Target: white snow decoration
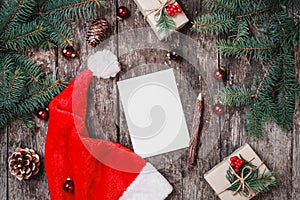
(104, 64)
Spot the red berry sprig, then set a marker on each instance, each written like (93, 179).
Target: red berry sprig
(173, 9)
(236, 163)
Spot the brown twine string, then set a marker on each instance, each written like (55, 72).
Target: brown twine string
(159, 9)
(243, 184)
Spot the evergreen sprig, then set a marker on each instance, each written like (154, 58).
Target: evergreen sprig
(257, 181)
(165, 24)
(33, 23)
(265, 31)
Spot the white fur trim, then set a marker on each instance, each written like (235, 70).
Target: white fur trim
(148, 185)
(104, 64)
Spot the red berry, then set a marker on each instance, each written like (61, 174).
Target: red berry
(170, 5)
(236, 170)
(178, 6)
(172, 14)
(234, 158)
(173, 6)
(179, 10)
(232, 164)
(241, 162)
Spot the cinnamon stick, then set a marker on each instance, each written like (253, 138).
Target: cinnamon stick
(195, 131)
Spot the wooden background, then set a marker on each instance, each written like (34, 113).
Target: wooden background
(223, 134)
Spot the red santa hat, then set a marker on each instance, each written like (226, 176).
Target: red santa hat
(79, 167)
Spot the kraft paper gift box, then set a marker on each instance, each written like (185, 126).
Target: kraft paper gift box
(216, 177)
(146, 6)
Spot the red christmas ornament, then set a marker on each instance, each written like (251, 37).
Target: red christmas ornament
(219, 109)
(123, 13)
(173, 9)
(173, 55)
(220, 73)
(68, 52)
(43, 114)
(68, 185)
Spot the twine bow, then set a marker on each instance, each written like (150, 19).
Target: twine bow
(158, 11)
(243, 184)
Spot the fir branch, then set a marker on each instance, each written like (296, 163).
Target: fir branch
(24, 35)
(237, 96)
(58, 31)
(253, 47)
(28, 23)
(14, 84)
(286, 97)
(250, 14)
(255, 119)
(165, 24)
(71, 9)
(213, 24)
(215, 5)
(29, 67)
(13, 12)
(33, 102)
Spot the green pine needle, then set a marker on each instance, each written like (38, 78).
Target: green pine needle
(165, 24)
(24, 35)
(263, 31)
(33, 23)
(14, 12)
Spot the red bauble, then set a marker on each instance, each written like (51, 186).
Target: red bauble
(219, 109)
(173, 55)
(68, 52)
(68, 185)
(220, 73)
(43, 114)
(123, 13)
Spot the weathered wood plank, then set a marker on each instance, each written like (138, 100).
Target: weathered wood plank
(223, 134)
(20, 135)
(170, 164)
(194, 186)
(295, 180)
(3, 163)
(173, 165)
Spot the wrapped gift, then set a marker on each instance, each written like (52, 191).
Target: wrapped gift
(151, 9)
(233, 179)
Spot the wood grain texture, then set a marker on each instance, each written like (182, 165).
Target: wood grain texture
(3, 163)
(106, 120)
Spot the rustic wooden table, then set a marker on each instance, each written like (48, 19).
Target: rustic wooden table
(223, 134)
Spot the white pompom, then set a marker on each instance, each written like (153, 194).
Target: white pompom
(104, 64)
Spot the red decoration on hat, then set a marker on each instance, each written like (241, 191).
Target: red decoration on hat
(99, 169)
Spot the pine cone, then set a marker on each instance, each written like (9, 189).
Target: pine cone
(24, 163)
(97, 32)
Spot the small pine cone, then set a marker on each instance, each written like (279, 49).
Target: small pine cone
(97, 32)
(24, 163)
